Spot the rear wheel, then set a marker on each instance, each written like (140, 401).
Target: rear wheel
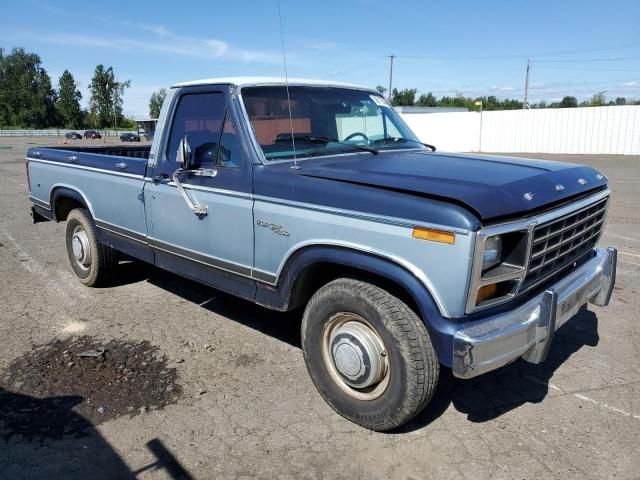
(92, 261)
(368, 354)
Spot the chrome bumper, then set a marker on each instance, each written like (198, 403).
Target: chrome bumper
(528, 330)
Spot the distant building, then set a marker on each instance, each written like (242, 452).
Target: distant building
(146, 125)
(430, 109)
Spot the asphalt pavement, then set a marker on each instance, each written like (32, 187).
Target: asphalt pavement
(247, 407)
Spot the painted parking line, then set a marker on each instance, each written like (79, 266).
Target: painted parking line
(583, 397)
(631, 239)
(630, 254)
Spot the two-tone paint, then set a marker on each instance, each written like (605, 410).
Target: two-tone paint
(355, 210)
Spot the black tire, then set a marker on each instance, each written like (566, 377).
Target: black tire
(412, 366)
(102, 260)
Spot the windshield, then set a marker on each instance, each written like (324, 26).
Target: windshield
(325, 120)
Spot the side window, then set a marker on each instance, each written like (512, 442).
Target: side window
(201, 117)
(229, 154)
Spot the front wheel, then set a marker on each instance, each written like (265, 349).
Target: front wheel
(368, 354)
(92, 261)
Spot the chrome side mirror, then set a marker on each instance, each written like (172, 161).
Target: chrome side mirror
(183, 155)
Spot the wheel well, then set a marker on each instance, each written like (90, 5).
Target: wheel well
(317, 275)
(64, 205)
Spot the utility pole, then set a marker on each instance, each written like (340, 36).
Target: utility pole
(525, 105)
(115, 111)
(391, 57)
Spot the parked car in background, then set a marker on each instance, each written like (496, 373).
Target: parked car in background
(92, 134)
(72, 136)
(404, 259)
(129, 137)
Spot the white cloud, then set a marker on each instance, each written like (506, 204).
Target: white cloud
(502, 89)
(166, 42)
(631, 84)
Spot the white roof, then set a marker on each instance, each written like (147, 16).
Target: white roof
(246, 81)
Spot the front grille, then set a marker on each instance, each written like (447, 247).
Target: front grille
(559, 243)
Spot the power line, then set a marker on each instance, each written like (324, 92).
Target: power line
(516, 56)
(358, 66)
(585, 60)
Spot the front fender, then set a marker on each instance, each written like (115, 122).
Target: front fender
(441, 330)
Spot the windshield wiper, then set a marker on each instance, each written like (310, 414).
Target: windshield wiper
(401, 140)
(325, 140)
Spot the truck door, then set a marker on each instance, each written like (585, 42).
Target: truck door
(215, 248)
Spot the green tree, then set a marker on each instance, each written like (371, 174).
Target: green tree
(568, 102)
(621, 101)
(68, 103)
(27, 98)
(156, 101)
(597, 100)
(105, 104)
(403, 98)
(427, 100)
(382, 90)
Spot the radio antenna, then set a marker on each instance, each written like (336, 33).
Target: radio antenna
(286, 82)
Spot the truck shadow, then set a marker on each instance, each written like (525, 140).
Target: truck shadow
(489, 396)
(482, 399)
(284, 326)
(45, 438)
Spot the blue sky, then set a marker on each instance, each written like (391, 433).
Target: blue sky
(472, 47)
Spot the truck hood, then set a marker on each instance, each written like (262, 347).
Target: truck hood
(492, 187)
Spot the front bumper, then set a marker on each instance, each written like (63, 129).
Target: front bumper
(527, 331)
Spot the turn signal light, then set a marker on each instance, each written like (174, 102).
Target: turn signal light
(434, 235)
(486, 292)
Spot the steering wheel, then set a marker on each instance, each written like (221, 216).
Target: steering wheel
(357, 134)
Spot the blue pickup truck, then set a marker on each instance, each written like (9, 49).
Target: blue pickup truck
(316, 195)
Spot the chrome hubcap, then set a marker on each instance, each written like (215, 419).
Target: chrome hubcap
(81, 248)
(355, 356)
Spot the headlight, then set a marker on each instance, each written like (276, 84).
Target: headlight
(492, 252)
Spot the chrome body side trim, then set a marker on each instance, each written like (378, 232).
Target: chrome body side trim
(123, 232)
(527, 331)
(40, 203)
(359, 215)
(82, 167)
(242, 270)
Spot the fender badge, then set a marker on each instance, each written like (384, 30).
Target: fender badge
(274, 227)
(582, 181)
(559, 187)
(528, 196)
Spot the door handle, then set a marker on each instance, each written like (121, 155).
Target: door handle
(162, 178)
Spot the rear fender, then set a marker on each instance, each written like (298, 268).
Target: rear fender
(60, 191)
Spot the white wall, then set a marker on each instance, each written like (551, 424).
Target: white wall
(592, 130)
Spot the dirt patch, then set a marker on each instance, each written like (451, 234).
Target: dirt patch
(244, 360)
(113, 378)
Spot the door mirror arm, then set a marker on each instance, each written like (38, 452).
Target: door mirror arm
(199, 209)
(184, 159)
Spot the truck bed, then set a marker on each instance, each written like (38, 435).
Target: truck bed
(130, 151)
(129, 160)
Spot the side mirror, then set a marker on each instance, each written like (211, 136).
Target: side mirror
(183, 155)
